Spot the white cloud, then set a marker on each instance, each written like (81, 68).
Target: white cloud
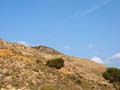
(97, 60)
(113, 60)
(113, 57)
(116, 56)
(23, 43)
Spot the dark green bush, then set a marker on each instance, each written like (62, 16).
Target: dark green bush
(78, 81)
(112, 74)
(56, 62)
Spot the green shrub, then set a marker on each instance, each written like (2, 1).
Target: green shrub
(112, 74)
(74, 78)
(78, 81)
(56, 62)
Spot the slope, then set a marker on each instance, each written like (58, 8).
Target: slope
(23, 68)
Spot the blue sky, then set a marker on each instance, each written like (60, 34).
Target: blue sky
(84, 28)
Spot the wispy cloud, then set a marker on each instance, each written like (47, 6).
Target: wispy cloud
(89, 10)
(113, 60)
(91, 45)
(66, 47)
(93, 9)
(113, 57)
(116, 56)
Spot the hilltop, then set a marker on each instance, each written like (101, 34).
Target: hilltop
(24, 68)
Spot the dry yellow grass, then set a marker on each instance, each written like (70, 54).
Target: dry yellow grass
(24, 58)
(64, 71)
(75, 69)
(6, 52)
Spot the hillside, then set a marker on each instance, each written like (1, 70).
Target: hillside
(23, 68)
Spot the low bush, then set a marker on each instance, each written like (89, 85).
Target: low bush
(78, 81)
(56, 62)
(112, 74)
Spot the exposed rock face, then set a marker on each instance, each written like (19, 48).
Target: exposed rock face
(47, 50)
(22, 68)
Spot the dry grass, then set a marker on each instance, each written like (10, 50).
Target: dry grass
(64, 71)
(4, 52)
(9, 53)
(25, 66)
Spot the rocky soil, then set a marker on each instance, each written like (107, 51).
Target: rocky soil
(23, 68)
